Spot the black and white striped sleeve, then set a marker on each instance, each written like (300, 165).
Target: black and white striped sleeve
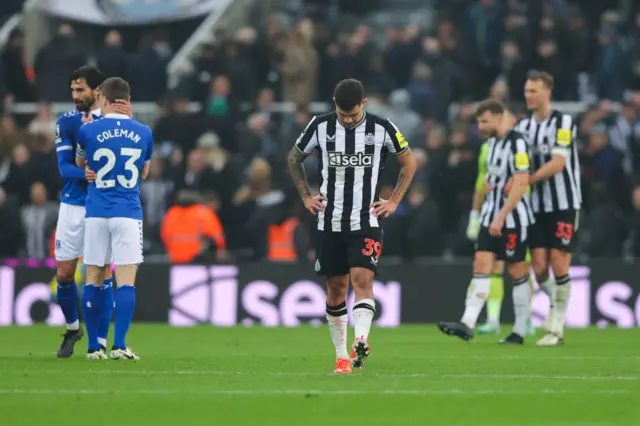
(564, 137)
(521, 163)
(394, 140)
(308, 140)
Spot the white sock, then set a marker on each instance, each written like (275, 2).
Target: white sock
(521, 306)
(102, 341)
(363, 312)
(476, 296)
(74, 325)
(562, 293)
(549, 287)
(338, 321)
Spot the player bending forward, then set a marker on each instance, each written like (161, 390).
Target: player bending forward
(508, 159)
(496, 293)
(352, 146)
(119, 150)
(69, 245)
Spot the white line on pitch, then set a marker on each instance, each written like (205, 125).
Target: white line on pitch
(309, 392)
(495, 357)
(317, 374)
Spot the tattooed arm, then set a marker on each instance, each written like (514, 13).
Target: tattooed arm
(408, 168)
(295, 160)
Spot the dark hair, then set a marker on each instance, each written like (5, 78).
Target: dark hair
(348, 94)
(494, 106)
(543, 76)
(91, 75)
(115, 88)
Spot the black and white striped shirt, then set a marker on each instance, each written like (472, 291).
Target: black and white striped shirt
(505, 158)
(351, 161)
(555, 134)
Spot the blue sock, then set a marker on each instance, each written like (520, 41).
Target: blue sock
(91, 311)
(106, 300)
(125, 305)
(68, 300)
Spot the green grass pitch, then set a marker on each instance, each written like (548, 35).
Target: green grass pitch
(258, 376)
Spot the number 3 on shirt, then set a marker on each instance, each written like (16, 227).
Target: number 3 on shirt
(133, 155)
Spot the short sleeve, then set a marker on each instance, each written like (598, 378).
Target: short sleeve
(394, 140)
(564, 136)
(520, 151)
(62, 139)
(81, 141)
(308, 140)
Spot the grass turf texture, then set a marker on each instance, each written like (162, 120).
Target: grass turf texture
(257, 376)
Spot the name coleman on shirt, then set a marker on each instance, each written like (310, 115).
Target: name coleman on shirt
(118, 133)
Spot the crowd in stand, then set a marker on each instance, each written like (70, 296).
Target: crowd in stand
(228, 159)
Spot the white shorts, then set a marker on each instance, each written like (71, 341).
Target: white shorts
(70, 232)
(119, 238)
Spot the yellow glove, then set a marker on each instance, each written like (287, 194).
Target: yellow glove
(473, 228)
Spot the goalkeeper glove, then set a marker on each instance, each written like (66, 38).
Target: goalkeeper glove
(473, 228)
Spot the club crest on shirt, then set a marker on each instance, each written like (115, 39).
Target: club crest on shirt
(58, 138)
(369, 139)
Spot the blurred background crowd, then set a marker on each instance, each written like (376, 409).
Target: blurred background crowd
(220, 172)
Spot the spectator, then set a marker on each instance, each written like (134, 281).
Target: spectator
(112, 58)
(612, 65)
(146, 72)
(11, 232)
(44, 125)
(17, 179)
(55, 62)
(18, 75)
(299, 68)
(190, 230)
(39, 219)
(155, 193)
(403, 116)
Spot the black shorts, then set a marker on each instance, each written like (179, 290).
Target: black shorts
(511, 246)
(338, 252)
(557, 230)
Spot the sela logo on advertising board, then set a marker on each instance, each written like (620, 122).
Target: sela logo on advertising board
(17, 308)
(614, 303)
(213, 295)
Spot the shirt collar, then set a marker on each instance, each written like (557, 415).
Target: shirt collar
(114, 115)
(96, 112)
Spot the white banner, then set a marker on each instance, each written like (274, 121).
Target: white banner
(129, 12)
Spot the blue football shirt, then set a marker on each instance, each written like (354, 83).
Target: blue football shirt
(74, 191)
(116, 148)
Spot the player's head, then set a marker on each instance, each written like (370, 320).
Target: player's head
(490, 114)
(85, 83)
(113, 89)
(350, 101)
(537, 90)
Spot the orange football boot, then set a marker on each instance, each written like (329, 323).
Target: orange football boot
(343, 366)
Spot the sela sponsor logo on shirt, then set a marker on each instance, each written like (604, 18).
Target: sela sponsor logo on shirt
(215, 295)
(340, 159)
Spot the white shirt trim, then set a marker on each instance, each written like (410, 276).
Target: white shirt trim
(118, 116)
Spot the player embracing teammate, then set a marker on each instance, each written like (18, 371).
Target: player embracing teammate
(98, 303)
(552, 210)
(119, 150)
